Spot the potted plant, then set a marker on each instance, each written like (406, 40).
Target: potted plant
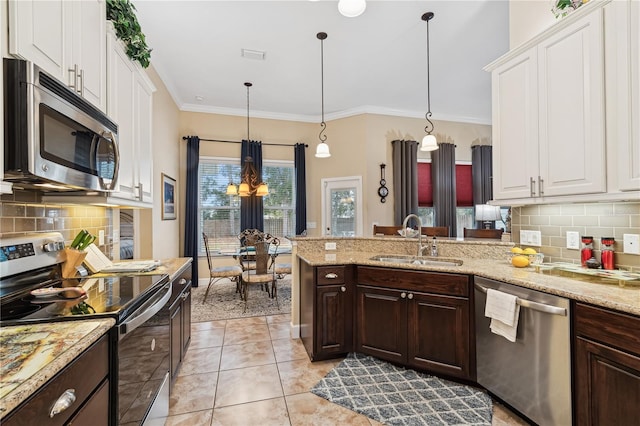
(561, 8)
(122, 14)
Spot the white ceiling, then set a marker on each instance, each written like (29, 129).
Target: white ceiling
(373, 63)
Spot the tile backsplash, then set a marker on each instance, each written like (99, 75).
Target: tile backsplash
(23, 212)
(595, 219)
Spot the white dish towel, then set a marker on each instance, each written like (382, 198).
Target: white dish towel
(504, 312)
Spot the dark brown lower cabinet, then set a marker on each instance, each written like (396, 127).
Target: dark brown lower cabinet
(85, 379)
(180, 319)
(418, 319)
(326, 310)
(607, 367)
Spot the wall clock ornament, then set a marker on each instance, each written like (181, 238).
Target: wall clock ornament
(383, 191)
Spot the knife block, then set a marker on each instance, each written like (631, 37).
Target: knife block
(73, 259)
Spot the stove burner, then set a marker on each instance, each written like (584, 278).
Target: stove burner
(17, 309)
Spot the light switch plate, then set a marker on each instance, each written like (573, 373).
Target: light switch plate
(573, 240)
(631, 243)
(530, 238)
(329, 246)
(101, 237)
(311, 225)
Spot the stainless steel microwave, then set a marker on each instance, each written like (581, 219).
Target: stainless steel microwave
(54, 140)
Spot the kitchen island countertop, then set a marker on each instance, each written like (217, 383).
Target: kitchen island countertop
(31, 354)
(613, 296)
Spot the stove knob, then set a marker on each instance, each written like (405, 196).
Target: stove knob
(53, 246)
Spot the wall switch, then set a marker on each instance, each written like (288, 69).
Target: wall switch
(311, 225)
(530, 238)
(573, 240)
(101, 237)
(329, 246)
(330, 257)
(631, 243)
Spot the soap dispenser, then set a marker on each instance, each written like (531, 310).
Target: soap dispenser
(434, 248)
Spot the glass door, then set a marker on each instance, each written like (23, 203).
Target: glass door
(342, 206)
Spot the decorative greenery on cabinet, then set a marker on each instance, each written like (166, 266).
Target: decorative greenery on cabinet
(122, 14)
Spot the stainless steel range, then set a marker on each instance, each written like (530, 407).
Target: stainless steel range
(31, 290)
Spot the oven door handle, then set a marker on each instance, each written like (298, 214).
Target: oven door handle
(146, 311)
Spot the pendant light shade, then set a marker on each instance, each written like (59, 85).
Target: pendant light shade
(322, 150)
(352, 8)
(429, 142)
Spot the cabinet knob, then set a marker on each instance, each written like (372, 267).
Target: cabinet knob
(343, 289)
(410, 296)
(63, 402)
(403, 295)
(331, 276)
(182, 281)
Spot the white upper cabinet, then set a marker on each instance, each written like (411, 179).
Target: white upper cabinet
(130, 104)
(66, 39)
(553, 115)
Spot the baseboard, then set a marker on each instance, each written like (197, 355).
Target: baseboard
(294, 331)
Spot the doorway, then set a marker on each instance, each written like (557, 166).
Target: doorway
(342, 206)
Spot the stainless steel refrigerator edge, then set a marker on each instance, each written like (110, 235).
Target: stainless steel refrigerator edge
(532, 374)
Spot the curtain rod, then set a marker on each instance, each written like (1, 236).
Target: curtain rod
(184, 138)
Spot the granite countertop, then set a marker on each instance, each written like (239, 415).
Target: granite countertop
(30, 355)
(624, 299)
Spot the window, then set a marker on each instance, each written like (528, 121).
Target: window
(220, 213)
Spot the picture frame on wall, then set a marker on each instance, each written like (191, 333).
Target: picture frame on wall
(169, 205)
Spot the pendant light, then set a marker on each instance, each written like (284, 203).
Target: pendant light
(352, 8)
(322, 150)
(429, 142)
(250, 183)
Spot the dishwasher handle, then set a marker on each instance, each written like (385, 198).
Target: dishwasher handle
(541, 307)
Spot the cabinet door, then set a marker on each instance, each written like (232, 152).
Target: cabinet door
(333, 320)
(571, 109)
(95, 411)
(515, 127)
(607, 385)
(37, 32)
(176, 339)
(438, 334)
(143, 136)
(381, 323)
(120, 109)
(89, 49)
(186, 320)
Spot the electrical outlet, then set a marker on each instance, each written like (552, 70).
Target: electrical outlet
(573, 240)
(329, 246)
(311, 225)
(530, 238)
(631, 243)
(330, 257)
(101, 237)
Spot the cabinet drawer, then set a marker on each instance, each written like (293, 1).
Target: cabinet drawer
(83, 375)
(612, 328)
(330, 275)
(426, 282)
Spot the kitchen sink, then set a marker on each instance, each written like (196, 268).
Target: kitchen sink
(413, 260)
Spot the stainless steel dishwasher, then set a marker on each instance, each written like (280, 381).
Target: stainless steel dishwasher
(533, 374)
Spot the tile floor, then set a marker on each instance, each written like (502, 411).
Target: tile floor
(249, 371)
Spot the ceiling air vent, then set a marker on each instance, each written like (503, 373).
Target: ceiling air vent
(253, 54)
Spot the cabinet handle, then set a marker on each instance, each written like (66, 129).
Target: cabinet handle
(185, 295)
(331, 276)
(73, 77)
(80, 84)
(63, 402)
(139, 188)
(532, 183)
(343, 289)
(182, 281)
(410, 296)
(403, 295)
(540, 186)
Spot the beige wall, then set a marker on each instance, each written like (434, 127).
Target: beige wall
(528, 18)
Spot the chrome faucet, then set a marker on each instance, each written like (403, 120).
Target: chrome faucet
(404, 227)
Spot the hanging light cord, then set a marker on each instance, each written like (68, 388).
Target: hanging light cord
(248, 85)
(429, 127)
(323, 125)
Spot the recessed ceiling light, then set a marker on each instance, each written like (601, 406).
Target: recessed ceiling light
(253, 54)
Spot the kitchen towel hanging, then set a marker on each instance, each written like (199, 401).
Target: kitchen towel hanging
(504, 312)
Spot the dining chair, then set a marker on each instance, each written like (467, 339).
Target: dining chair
(386, 230)
(483, 233)
(257, 257)
(435, 231)
(217, 273)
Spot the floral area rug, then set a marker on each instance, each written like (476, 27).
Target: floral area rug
(224, 303)
(397, 396)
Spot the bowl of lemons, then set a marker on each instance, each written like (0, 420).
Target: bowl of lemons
(521, 258)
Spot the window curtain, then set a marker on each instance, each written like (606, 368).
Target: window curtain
(301, 187)
(482, 175)
(443, 177)
(405, 179)
(251, 208)
(191, 235)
